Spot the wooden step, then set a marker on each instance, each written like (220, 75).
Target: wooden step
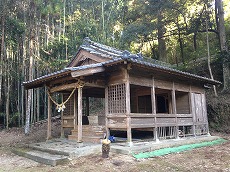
(92, 139)
(90, 129)
(74, 132)
(90, 133)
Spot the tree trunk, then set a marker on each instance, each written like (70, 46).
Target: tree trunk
(8, 103)
(209, 58)
(223, 45)
(27, 126)
(2, 54)
(161, 40)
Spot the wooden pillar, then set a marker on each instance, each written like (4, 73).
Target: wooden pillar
(49, 119)
(192, 110)
(106, 112)
(62, 122)
(127, 103)
(75, 111)
(129, 132)
(153, 98)
(79, 138)
(174, 109)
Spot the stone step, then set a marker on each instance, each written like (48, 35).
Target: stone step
(42, 157)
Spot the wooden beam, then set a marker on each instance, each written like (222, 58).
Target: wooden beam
(63, 87)
(106, 112)
(98, 85)
(129, 131)
(127, 92)
(163, 84)
(60, 80)
(127, 98)
(79, 138)
(140, 80)
(174, 108)
(153, 98)
(49, 120)
(85, 72)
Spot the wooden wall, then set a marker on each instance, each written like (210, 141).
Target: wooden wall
(182, 103)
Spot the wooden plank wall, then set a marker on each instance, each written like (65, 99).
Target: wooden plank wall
(182, 103)
(116, 77)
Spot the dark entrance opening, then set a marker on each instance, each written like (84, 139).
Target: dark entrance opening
(162, 104)
(145, 104)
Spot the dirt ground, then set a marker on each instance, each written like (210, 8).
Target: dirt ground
(214, 158)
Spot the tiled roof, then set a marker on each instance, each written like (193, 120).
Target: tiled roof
(117, 56)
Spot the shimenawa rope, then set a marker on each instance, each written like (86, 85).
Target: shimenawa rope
(61, 107)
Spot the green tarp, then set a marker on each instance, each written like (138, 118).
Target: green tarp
(182, 148)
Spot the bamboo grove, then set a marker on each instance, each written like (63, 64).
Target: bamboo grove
(41, 36)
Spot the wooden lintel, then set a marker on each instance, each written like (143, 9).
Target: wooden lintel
(60, 80)
(86, 72)
(63, 87)
(98, 85)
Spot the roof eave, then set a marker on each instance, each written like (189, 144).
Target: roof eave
(39, 82)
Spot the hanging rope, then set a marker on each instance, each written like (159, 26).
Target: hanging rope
(60, 107)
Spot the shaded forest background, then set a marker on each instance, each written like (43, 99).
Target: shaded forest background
(38, 37)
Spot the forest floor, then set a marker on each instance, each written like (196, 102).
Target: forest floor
(214, 158)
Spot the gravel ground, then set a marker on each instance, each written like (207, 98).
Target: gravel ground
(214, 158)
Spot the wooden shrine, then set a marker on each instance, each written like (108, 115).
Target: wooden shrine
(138, 94)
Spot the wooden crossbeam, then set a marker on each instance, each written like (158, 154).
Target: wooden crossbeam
(86, 72)
(63, 87)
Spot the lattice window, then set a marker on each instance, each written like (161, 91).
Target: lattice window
(116, 98)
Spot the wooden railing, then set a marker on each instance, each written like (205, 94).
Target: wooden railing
(139, 120)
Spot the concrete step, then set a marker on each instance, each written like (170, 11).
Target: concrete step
(42, 157)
